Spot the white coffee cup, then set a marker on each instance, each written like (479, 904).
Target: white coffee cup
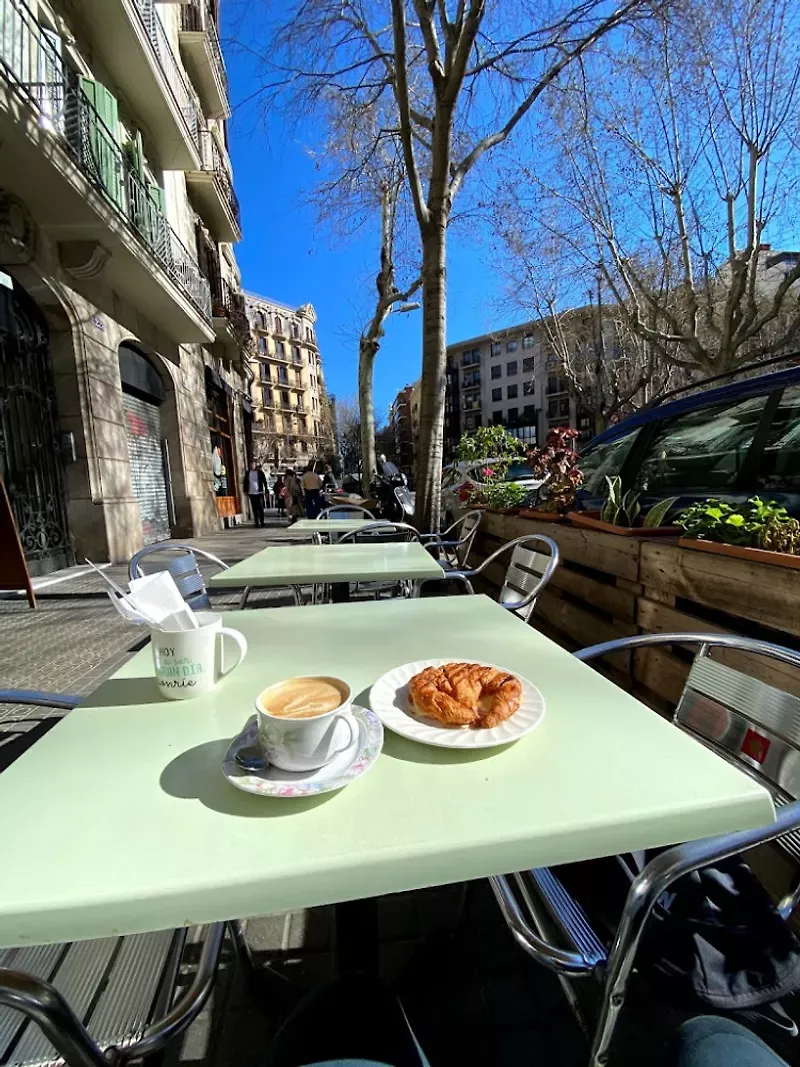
(303, 744)
(191, 662)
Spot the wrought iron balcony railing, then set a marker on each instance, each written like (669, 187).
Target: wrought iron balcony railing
(197, 17)
(30, 61)
(215, 163)
(181, 88)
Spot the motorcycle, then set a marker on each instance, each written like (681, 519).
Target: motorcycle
(386, 480)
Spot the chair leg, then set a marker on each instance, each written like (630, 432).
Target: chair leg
(244, 596)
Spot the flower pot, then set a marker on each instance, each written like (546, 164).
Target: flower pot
(752, 555)
(588, 520)
(543, 516)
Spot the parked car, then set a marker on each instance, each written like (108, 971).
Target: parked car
(456, 475)
(733, 441)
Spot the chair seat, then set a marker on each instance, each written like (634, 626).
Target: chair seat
(113, 984)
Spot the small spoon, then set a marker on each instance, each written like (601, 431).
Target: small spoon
(251, 758)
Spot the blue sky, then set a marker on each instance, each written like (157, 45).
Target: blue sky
(286, 256)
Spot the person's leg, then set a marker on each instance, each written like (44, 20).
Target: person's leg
(258, 510)
(712, 1041)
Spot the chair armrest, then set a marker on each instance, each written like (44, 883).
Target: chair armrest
(40, 700)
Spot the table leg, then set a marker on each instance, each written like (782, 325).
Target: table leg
(356, 948)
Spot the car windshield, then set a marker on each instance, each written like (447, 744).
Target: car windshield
(517, 470)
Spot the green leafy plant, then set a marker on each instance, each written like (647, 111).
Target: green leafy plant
(754, 524)
(505, 495)
(623, 509)
(489, 442)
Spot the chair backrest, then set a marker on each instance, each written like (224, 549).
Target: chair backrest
(749, 723)
(526, 569)
(467, 528)
(181, 562)
(379, 533)
(345, 511)
(405, 498)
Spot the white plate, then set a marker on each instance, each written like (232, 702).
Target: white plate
(343, 769)
(390, 700)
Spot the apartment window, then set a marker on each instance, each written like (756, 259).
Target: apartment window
(266, 395)
(295, 330)
(301, 424)
(497, 418)
(529, 414)
(497, 372)
(513, 415)
(558, 409)
(261, 321)
(284, 398)
(556, 384)
(527, 341)
(471, 357)
(280, 350)
(316, 429)
(511, 368)
(551, 363)
(278, 324)
(497, 394)
(528, 365)
(296, 354)
(512, 392)
(512, 346)
(497, 348)
(264, 372)
(262, 344)
(472, 378)
(283, 376)
(298, 377)
(528, 388)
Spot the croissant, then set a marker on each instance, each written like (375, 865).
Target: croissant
(465, 694)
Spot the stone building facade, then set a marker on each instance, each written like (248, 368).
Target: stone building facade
(293, 420)
(123, 333)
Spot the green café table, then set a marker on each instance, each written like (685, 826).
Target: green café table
(338, 564)
(119, 819)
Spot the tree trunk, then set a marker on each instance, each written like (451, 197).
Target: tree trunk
(434, 373)
(366, 407)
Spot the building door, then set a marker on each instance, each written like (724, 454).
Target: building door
(142, 396)
(30, 454)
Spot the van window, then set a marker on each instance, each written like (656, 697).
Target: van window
(779, 466)
(703, 449)
(605, 460)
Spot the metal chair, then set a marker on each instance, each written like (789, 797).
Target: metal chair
(745, 721)
(345, 511)
(97, 1002)
(529, 572)
(382, 532)
(456, 549)
(184, 569)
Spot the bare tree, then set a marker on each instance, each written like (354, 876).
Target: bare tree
(674, 158)
(457, 77)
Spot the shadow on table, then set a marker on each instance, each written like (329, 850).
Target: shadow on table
(196, 774)
(123, 692)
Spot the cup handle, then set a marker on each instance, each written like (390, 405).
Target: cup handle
(241, 643)
(349, 721)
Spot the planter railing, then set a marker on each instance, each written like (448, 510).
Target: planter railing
(30, 61)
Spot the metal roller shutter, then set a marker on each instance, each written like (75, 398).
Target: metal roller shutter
(143, 429)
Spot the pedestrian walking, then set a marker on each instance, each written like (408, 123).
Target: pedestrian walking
(328, 480)
(255, 486)
(294, 496)
(280, 496)
(312, 492)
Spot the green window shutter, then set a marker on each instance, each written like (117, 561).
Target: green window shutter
(106, 157)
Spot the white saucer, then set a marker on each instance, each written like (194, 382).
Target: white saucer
(390, 699)
(343, 769)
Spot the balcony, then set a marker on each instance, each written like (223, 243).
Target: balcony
(213, 188)
(230, 322)
(200, 45)
(130, 39)
(67, 166)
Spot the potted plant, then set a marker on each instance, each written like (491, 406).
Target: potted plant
(502, 448)
(556, 465)
(622, 511)
(759, 531)
(505, 498)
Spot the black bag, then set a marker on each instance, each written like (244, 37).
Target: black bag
(715, 940)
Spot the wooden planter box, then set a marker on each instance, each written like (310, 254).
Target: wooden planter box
(543, 516)
(609, 586)
(752, 555)
(589, 521)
